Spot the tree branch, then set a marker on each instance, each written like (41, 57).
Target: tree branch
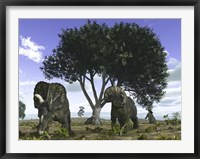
(103, 103)
(119, 82)
(82, 84)
(79, 79)
(87, 78)
(112, 81)
(104, 83)
(93, 87)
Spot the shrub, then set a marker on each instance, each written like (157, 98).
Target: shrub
(117, 130)
(175, 137)
(162, 138)
(149, 129)
(138, 131)
(45, 136)
(142, 137)
(175, 119)
(158, 124)
(61, 134)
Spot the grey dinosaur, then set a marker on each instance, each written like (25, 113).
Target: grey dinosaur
(123, 107)
(51, 101)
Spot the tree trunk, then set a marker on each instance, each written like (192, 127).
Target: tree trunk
(96, 108)
(95, 118)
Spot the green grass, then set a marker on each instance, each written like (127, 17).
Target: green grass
(146, 131)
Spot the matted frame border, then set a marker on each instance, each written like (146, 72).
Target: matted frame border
(5, 3)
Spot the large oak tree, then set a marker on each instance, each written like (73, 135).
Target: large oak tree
(126, 55)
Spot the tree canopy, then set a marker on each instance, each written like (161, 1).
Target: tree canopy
(125, 54)
(141, 62)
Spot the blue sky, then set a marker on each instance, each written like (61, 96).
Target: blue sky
(38, 37)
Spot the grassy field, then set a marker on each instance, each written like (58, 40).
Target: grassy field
(160, 131)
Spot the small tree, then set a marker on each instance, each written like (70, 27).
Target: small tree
(22, 108)
(176, 118)
(81, 111)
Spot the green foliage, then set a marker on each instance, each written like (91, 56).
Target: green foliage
(141, 64)
(138, 131)
(61, 134)
(22, 108)
(175, 137)
(142, 137)
(28, 131)
(104, 136)
(149, 129)
(45, 136)
(175, 120)
(82, 137)
(108, 135)
(158, 124)
(117, 130)
(35, 136)
(162, 138)
(125, 53)
(96, 129)
(167, 120)
(79, 52)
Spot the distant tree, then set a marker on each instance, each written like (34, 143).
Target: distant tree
(125, 55)
(22, 108)
(81, 111)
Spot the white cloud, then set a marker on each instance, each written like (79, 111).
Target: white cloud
(97, 77)
(172, 100)
(175, 71)
(75, 87)
(172, 92)
(30, 49)
(173, 62)
(168, 102)
(159, 112)
(174, 84)
(175, 74)
(21, 73)
(27, 83)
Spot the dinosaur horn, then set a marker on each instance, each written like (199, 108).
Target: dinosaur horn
(41, 119)
(39, 97)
